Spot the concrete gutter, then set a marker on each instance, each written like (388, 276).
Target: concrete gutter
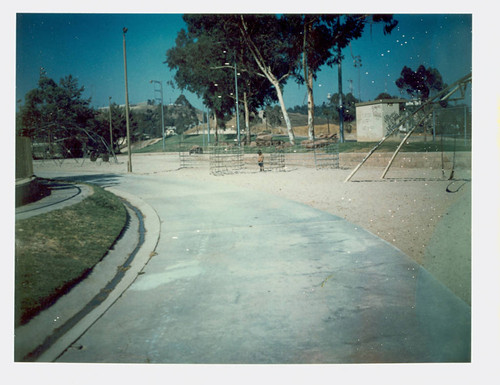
(51, 332)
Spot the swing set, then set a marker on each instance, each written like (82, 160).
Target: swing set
(426, 108)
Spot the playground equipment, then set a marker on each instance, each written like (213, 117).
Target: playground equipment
(277, 160)
(327, 156)
(427, 108)
(225, 159)
(85, 144)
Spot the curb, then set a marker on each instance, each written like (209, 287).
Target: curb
(152, 235)
(152, 229)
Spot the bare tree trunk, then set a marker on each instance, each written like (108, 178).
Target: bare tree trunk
(291, 135)
(266, 71)
(308, 76)
(310, 106)
(247, 118)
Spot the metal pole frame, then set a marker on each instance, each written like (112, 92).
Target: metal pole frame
(441, 96)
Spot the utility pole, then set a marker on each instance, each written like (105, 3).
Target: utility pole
(160, 90)
(341, 107)
(111, 130)
(203, 125)
(129, 164)
(237, 105)
(358, 65)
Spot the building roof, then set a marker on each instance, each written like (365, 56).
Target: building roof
(381, 101)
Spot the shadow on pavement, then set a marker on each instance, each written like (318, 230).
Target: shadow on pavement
(102, 180)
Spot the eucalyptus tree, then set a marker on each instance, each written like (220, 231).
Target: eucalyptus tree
(272, 42)
(421, 84)
(192, 58)
(322, 39)
(206, 58)
(316, 42)
(349, 102)
(346, 28)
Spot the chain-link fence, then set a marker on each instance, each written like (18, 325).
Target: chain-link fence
(452, 122)
(441, 123)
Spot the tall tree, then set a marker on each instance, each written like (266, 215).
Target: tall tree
(55, 113)
(421, 84)
(323, 38)
(138, 124)
(349, 104)
(384, 95)
(273, 46)
(212, 74)
(316, 41)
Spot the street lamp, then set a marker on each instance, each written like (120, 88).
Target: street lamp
(237, 100)
(129, 164)
(160, 90)
(227, 65)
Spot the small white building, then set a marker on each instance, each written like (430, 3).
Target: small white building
(371, 118)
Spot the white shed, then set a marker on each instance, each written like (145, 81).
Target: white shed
(371, 124)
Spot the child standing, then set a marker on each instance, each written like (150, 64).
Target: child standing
(260, 161)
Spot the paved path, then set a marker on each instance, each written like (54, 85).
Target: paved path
(245, 277)
(61, 195)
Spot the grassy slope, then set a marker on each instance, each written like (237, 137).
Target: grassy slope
(55, 250)
(185, 142)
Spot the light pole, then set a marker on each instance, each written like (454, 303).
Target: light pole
(129, 164)
(237, 105)
(160, 90)
(341, 107)
(111, 130)
(237, 100)
(227, 65)
(208, 125)
(358, 65)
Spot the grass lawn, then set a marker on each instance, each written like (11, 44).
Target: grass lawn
(185, 142)
(56, 250)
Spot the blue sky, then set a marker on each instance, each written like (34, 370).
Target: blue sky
(90, 47)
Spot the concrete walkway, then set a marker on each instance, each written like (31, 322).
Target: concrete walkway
(244, 277)
(61, 195)
(49, 333)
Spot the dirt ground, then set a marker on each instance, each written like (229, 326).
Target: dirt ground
(426, 216)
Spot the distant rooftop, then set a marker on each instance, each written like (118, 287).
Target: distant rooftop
(381, 101)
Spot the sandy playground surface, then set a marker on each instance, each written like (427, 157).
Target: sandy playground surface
(417, 210)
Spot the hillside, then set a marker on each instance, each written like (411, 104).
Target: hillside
(299, 125)
(298, 120)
